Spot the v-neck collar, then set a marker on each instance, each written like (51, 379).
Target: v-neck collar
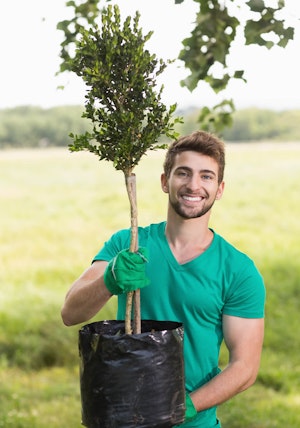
(170, 256)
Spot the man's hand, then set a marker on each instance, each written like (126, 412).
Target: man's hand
(127, 271)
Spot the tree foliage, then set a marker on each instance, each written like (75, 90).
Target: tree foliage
(208, 47)
(122, 99)
(206, 51)
(84, 15)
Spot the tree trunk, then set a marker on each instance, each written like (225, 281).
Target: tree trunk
(131, 191)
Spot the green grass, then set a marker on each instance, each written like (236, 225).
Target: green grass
(58, 208)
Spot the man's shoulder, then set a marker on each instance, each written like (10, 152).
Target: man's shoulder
(230, 249)
(237, 262)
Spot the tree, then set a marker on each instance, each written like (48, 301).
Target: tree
(217, 24)
(123, 105)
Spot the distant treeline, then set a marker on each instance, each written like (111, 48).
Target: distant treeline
(28, 126)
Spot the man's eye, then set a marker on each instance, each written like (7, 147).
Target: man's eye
(207, 177)
(182, 173)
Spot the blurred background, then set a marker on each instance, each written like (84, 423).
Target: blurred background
(58, 208)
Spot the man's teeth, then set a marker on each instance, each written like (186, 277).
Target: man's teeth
(192, 198)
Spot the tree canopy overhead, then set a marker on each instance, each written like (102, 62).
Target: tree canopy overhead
(217, 24)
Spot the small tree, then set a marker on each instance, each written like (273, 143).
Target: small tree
(126, 112)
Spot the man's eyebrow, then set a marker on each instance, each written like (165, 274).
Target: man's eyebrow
(186, 168)
(206, 171)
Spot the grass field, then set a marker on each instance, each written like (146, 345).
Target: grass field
(57, 209)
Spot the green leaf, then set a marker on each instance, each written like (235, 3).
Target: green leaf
(239, 74)
(217, 118)
(256, 5)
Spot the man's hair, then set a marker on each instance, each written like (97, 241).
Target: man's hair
(202, 142)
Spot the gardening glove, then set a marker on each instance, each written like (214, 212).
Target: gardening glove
(127, 271)
(190, 411)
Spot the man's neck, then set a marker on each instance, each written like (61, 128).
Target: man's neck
(188, 238)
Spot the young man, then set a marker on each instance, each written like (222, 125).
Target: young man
(191, 275)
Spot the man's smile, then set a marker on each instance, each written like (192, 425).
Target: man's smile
(192, 198)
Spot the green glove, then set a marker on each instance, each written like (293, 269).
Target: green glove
(190, 411)
(127, 271)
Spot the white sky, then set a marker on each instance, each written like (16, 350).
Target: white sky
(30, 45)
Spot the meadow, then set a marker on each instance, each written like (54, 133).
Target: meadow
(58, 208)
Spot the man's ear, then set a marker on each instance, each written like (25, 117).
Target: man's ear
(164, 183)
(220, 191)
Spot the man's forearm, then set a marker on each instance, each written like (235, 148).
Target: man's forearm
(86, 297)
(235, 378)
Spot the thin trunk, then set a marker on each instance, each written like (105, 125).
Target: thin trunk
(131, 190)
(137, 312)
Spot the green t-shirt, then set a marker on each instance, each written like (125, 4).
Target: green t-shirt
(222, 280)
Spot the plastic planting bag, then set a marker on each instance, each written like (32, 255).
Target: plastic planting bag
(134, 380)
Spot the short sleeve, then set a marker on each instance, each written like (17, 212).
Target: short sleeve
(246, 295)
(117, 242)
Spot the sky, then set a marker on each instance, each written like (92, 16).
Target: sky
(30, 46)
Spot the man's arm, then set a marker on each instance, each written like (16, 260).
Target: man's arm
(87, 295)
(244, 339)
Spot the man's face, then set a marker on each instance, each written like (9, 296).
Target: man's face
(193, 184)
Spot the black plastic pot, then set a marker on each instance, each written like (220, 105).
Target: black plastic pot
(134, 380)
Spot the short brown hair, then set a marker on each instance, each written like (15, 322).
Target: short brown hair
(201, 142)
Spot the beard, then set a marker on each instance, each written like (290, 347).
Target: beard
(190, 213)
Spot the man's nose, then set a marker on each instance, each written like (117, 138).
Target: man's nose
(194, 182)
